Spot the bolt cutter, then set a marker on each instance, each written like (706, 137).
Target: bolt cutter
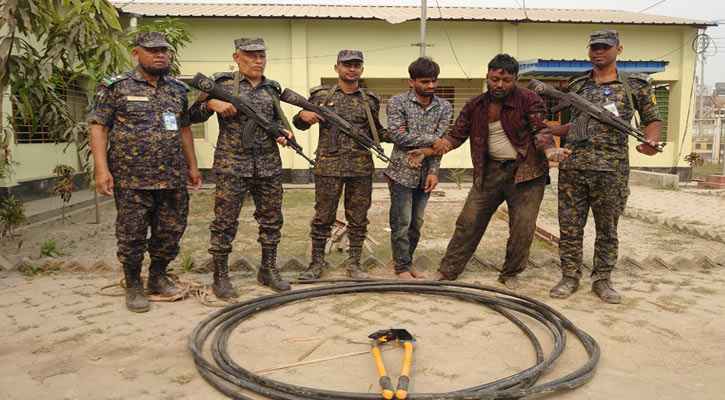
(393, 335)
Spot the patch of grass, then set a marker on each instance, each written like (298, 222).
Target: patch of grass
(49, 248)
(704, 290)
(670, 186)
(26, 327)
(700, 172)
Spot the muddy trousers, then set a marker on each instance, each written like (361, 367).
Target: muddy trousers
(230, 192)
(407, 208)
(164, 211)
(358, 194)
(523, 200)
(605, 193)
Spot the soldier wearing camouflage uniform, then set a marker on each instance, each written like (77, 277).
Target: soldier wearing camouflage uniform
(242, 167)
(143, 151)
(343, 165)
(596, 175)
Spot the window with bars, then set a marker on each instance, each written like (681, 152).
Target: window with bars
(76, 99)
(456, 91)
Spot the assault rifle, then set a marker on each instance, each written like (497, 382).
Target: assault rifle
(255, 117)
(590, 110)
(337, 124)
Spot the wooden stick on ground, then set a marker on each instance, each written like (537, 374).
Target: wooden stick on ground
(303, 339)
(317, 360)
(313, 348)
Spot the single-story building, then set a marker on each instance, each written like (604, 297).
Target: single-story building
(304, 40)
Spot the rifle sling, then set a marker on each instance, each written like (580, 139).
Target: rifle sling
(628, 90)
(250, 126)
(334, 132)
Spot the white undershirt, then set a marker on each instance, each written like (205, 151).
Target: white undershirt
(499, 145)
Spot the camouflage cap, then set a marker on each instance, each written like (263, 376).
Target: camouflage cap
(347, 55)
(250, 44)
(609, 37)
(150, 39)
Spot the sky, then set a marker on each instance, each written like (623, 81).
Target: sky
(711, 11)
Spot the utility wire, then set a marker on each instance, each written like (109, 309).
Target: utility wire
(524, 7)
(445, 29)
(652, 6)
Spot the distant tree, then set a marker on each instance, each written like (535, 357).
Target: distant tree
(177, 35)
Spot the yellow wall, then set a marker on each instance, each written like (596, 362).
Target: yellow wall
(302, 52)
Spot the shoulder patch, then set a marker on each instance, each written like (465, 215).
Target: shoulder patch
(221, 75)
(579, 78)
(372, 94)
(111, 80)
(640, 77)
(180, 83)
(320, 87)
(275, 85)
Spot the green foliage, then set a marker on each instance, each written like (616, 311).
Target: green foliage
(64, 186)
(458, 176)
(189, 265)
(39, 269)
(50, 248)
(177, 35)
(670, 186)
(695, 160)
(12, 214)
(43, 40)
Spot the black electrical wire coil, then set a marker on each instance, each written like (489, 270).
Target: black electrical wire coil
(521, 384)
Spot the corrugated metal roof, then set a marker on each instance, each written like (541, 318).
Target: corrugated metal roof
(396, 14)
(539, 67)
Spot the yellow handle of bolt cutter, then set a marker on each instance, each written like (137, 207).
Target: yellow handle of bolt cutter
(401, 391)
(385, 382)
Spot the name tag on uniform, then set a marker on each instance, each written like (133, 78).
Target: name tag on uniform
(137, 98)
(611, 107)
(170, 122)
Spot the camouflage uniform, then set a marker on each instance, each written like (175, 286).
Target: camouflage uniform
(349, 165)
(244, 167)
(146, 160)
(596, 174)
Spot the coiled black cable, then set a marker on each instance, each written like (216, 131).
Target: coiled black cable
(226, 371)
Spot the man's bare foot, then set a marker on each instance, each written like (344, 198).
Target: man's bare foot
(512, 283)
(416, 273)
(440, 277)
(405, 276)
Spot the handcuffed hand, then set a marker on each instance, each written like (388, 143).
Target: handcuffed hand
(442, 146)
(557, 154)
(415, 158)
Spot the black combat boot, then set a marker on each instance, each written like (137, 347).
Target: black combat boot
(353, 263)
(603, 289)
(566, 286)
(136, 299)
(268, 273)
(222, 287)
(317, 265)
(158, 282)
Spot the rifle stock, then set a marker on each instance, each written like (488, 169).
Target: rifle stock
(206, 85)
(294, 98)
(591, 110)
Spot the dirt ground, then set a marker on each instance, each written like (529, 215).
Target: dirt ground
(61, 339)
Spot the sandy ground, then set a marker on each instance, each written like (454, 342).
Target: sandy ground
(60, 339)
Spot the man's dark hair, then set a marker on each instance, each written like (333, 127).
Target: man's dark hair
(504, 62)
(423, 67)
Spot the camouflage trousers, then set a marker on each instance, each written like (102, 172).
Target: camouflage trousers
(605, 193)
(162, 210)
(230, 192)
(358, 194)
(523, 200)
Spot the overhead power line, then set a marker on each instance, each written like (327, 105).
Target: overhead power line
(652, 6)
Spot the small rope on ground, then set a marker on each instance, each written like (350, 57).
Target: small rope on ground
(188, 287)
